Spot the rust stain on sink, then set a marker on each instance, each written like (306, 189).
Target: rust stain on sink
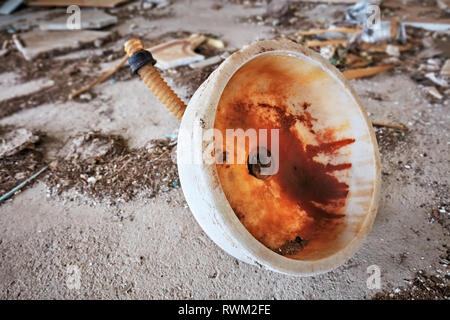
(304, 200)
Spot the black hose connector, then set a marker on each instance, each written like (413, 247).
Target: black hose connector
(140, 59)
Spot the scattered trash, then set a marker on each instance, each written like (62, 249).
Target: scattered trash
(177, 52)
(390, 125)
(14, 141)
(100, 79)
(103, 167)
(12, 89)
(173, 136)
(21, 185)
(10, 6)
(90, 146)
(416, 15)
(320, 43)
(424, 286)
(334, 32)
(366, 72)
(92, 19)
(382, 31)
(215, 43)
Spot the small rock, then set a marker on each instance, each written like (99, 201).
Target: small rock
(91, 180)
(393, 50)
(86, 96)
(98, 43)
(277, 8)
(20, 176)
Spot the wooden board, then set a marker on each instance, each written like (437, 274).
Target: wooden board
(81, 3)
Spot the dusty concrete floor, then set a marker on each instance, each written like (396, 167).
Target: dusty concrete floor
(154, 249)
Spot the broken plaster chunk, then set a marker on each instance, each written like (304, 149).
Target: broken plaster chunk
(432, 91)
(433, 78)
(177, 53)
(34, 43)
(445, 71)
(87, 146)
(15, 141)
(393, 50)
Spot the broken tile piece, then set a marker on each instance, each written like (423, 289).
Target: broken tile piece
(206, 62)
(177, 53)
(432, 91)
(9, 88)
(90, 19)
(439, 82)
(445, 71)
(34, 43)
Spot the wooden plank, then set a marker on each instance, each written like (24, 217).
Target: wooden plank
(332, 42)
(81, 3)
(366, 72)
(313, 32)
(383, 47)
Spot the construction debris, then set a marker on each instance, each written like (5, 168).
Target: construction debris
(390, 125)
(11, 87)
(17, 188)
(177, 52)
(331, 42)
(104, 76)
(91, 19)
(38, 42)
(14, 141)
(432, 91)
(439, 82)
(415, 15)
(103, 167)
(445, 71)
(90, 146)
(366, 72)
